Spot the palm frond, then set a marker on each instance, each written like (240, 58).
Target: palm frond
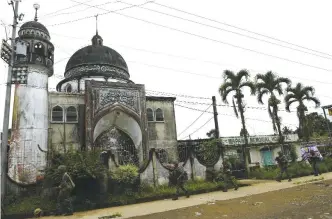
(242, 74)
(228, 74)
(260, 77)
(290, 96)
(278, 88)
(308, 90)
(289, 103)
(313, 99)
(284, 80)
(249, 84)
(260, 95)
(261, 85)
(224, 93)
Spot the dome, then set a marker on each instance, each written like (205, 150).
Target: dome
(97, 60)
(33, 25)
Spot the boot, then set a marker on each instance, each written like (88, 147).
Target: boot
(290, 180)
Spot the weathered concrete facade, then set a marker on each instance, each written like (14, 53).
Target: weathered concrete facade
(96, 106)
(64, 131)
(30, 127)
(162, 125)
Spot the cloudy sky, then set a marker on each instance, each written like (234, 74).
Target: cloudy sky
(176, 53)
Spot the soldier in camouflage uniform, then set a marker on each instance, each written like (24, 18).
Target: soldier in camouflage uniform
(227, 176)
(64, 205)
(181, 177)
(283, 165)
(314, 159)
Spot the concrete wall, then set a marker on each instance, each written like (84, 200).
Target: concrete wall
(64, 134)
(162, 134)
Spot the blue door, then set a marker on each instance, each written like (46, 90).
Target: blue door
(267, 158)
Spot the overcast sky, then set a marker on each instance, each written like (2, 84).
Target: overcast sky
(191, 62)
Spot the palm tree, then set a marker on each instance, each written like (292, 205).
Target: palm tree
(233, 83)
(268, 84)
(300, 94)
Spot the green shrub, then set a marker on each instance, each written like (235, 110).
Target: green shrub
(297, 169)
(146, 192)
(126, 174)
(80, 165)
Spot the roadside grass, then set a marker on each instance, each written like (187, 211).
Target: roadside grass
(22, 207)
(297, 169)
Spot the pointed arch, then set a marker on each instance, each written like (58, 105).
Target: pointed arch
(121, 117)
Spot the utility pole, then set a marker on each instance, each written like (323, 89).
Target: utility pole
(216, 125)
(7, 103)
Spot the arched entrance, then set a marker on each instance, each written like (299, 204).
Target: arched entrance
(120, 133)
(120, 144)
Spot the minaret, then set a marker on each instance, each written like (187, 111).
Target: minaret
(34, 52)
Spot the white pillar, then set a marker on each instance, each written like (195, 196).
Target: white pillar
(30, 127)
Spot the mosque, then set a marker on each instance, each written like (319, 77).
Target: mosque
(96, 105)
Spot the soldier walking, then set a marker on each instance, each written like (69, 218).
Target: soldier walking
(283, 165)
(64, 204)
(181, 177)
(229, 180)
(314, 159)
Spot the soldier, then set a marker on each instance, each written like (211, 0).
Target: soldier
(181, 177)
(64, 205)
(227, 175)
(314, 158)
(283, 165)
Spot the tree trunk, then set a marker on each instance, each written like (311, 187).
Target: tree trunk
(277, 119)
(302, 122)
(245, 146)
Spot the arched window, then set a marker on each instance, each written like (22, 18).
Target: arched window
(159, 115)
(39, 49)
(71, 114)
(68, 88)
(57, 114)
(50, 53)
(149, 114)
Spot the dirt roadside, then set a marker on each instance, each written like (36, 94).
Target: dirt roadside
(302, 202)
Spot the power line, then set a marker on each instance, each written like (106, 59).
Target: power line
(192, 34)
(198, 128)
(63, 9)
(239, 28)
(194, 121)
(92, 16)
(225, 43)
(179, 101)
(72, 12)
(229, 31)
(192, 59)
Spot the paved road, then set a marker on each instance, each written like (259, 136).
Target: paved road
(149, 208)
(312, 200)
